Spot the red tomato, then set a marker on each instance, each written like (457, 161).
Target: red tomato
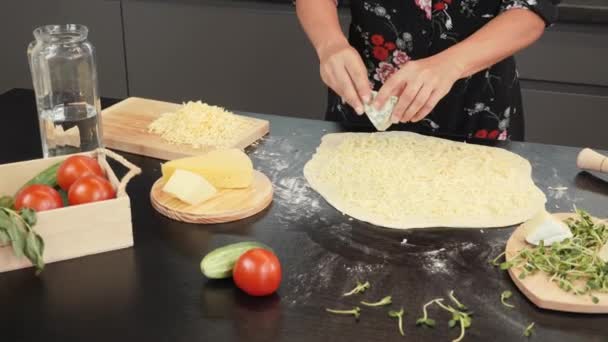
(38, 197)
(257, 272)
(75, 167)
(90, 188)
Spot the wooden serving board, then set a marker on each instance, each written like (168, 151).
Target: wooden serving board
(544, 293)
(226, 206)
(125, 128)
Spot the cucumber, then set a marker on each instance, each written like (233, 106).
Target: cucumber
(218, 264)
(46, 177)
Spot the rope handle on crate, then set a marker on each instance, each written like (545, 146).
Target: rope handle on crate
(134, 170)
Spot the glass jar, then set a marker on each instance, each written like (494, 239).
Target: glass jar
(64, 73)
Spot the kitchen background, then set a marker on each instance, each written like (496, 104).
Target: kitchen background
(253, 56)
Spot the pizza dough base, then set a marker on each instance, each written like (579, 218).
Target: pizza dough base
(314, 171)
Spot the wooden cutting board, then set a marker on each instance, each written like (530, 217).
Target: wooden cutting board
(544, 293)
(226, 206)
(125, 128)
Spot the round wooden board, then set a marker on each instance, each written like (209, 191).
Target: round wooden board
(544, 293)
(226, 206)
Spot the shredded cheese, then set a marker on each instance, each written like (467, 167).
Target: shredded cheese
(199, 124)
(397, 177)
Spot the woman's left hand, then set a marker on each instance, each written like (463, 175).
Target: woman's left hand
(419, 84)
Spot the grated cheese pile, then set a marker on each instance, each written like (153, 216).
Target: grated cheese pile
(199, 124)
(403, 179)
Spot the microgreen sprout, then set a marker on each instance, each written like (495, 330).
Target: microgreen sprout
(503, 298)
(425, 320)
(459, 305)
(573, 264)
(463, 319)
(399, 316)
(356, 311)
(384, 301)
(529, 330)
(360, 288)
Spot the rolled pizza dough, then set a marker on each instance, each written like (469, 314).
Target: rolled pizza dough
(406, 180)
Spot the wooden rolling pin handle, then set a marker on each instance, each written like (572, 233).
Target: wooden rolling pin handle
(590, 160)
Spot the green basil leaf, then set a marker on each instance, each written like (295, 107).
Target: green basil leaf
(4, 237)
(5, 220)
(32, 250)
(17, 232)
(29, 216)
(6, 202)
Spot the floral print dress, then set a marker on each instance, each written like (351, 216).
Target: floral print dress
(389, 33)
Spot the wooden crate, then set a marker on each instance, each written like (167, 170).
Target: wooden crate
(75, 231)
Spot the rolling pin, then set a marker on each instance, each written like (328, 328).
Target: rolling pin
(590, 160)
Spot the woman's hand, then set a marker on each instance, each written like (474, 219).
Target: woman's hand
(419, 84)
(342, 70)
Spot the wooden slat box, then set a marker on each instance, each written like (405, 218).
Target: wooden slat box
(73, 231)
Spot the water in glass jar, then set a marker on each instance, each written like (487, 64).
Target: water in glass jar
(69, 128)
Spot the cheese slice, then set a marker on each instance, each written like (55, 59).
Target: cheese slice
(230, 168)
(547, 228)
(381, 119)
(189, 187)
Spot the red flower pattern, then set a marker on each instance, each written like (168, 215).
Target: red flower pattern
(377, 39)
(380, 53)
(493, 134)
(481, 134)
(390, 46)
(440, 6)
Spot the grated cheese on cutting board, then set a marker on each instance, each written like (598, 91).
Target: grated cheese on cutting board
(398, 179)
(199, 124)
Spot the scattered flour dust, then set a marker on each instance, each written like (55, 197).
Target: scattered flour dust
(297, 199)
(557, 192)
(273, 161)
(435, 261)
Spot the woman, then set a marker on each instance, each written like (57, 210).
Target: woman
(449, 61)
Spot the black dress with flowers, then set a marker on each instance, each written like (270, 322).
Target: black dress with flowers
(389, 33)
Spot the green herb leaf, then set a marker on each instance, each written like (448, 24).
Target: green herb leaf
(573, 264)
(17, 229)
(529, 330)
(384, 301)
(360, 288)
(33, 250)
(6, 202)
(503, 298)
(29, 216)
(4, 237)
(399, 316)
(452, 323)
(429, 322)
(459, 305)
(356, 311)
(17, 232)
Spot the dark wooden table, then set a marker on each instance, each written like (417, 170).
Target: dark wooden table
(155, 291)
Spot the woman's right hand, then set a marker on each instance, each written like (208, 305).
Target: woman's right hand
(342, 70)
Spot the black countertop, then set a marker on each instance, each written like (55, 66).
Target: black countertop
(155, 292)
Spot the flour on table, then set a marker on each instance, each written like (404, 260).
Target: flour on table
(296, 198)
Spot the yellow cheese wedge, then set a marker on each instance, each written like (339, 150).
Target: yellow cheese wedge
(189, 187)
(230, 168)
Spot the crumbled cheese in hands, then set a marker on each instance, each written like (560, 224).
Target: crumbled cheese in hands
(199, 124)
(395, 177)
